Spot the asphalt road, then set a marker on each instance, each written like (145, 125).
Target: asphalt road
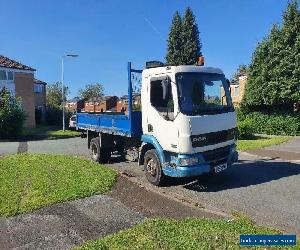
(266, 190)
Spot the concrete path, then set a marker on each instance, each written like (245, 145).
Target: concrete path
(290, 146)
(289, 151)
(69, 224)
(63, 226)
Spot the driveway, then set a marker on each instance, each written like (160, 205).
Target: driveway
(267, 190)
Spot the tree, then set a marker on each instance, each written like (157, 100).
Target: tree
(191, 46)
(242, 70)
(91, 90)
(12, 116)
(54, 94)
(174, 51)
(274, 72)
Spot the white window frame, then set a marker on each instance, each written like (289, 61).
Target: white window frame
(236, 91)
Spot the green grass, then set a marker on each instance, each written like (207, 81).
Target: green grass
(31, 181)
(261, 142)
(49, 132)
(61, 133)
(182, 234)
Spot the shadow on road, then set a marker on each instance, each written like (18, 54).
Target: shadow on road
(243, 174)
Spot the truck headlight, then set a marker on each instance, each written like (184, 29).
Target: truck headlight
(188, 161)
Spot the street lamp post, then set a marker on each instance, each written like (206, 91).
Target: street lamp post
(62, 87)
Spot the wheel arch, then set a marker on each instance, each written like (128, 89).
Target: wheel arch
(150, 142)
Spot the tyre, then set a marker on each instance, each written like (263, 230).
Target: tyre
(153, 169)
(99, 154)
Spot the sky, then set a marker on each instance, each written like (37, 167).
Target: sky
(107, 34)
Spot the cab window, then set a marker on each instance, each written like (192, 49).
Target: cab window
(161, 97)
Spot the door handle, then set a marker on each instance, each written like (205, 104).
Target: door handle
(150, 128)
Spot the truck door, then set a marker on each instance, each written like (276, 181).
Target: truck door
(160, 115)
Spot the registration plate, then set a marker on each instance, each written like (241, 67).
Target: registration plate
(220, 168)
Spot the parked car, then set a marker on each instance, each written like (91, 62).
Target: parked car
(72, 123)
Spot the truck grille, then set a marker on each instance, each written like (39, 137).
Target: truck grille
(216, 154)
(213, 138)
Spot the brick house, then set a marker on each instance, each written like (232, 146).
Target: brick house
(101, 104)
(40, 97)
(237, 90)
(19, 80)
(122, 104)
(75, 104)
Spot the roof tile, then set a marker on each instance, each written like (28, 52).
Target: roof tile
(9, 63)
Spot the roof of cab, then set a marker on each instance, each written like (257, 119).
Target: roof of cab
(183, 68)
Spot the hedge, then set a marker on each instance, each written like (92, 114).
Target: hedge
(12, 116)
(270, 124)
(54, 116)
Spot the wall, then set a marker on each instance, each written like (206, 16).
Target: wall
(24, 89)
(236, 99)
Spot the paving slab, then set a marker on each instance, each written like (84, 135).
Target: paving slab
(288, 151)
(292, 146)
(65, 225)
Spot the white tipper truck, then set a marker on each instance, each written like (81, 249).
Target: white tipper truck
(186, 125)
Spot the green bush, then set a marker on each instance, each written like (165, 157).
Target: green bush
(271, 124)
(12, 116)
(246, 129)
(54, 116)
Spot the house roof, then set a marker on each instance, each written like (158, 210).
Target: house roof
(101, 98)
(9, 63)
(76, 99)
(36, 81)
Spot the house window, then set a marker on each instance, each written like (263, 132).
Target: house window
(236, 91)
(3, 75)
(10, 76)
(38, 88)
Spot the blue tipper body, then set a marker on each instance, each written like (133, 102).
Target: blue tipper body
(124, 125)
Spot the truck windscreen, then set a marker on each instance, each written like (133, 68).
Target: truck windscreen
(203, 93)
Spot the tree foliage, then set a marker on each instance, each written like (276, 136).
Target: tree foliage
(174, 41)
(274, 73)
(184, 46)
(242, 70)
(54, 94)
(12, 116)
(191, 46)
(91, 90)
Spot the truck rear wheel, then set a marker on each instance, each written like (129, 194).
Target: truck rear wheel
(152, 167)
(99, 154)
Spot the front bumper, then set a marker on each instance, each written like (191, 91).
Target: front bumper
(173, 169)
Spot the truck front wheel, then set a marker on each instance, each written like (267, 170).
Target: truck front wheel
(99, 154)
(152, 167)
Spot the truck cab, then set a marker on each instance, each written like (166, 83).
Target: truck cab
(186, 125)
(187, 115)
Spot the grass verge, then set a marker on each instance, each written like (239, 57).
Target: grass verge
(260, 142)
(49, 132)
(181, 234)
(31, 181)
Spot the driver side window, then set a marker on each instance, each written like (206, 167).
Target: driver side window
(161, 98)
